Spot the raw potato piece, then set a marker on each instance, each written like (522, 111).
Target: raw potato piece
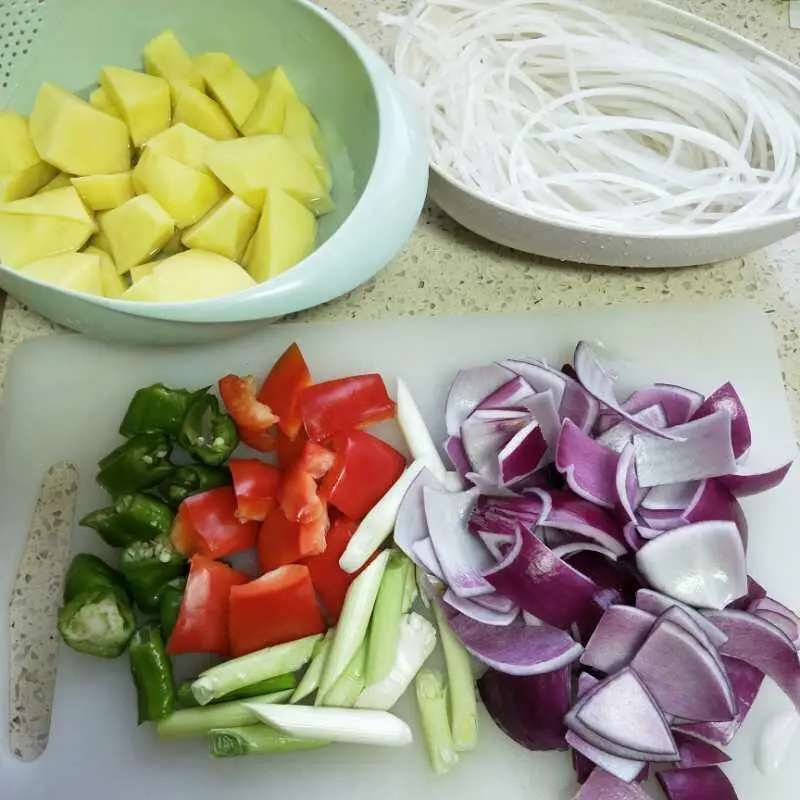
(143, 270)
(301, 129)
(247, 166)
(60, 180)
(173, 246)
(229, 85)
(165, 57)
(201, 113)
(113, 284)
(143, 291)
(136, 230)
(184, 193)
(43, 225)
(197, 275)
(275, 90)
(101, 101)
(79, 272)
(22, 172)
(143, 101)
(226, 230)
(286, 234)
(184, 144)
(75, 137)
(104, 192)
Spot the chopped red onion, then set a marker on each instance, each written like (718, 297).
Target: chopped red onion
(454, 448)
(469, 388)
(411, 525)
(539, 376)
(425, 556)
(566, 550)
(778, 614)
(478, 612)
(625, 769)
(670, 496)
(726, 398)
(485, 433)
(696, 753)
(656, 603)
(498, 544)
(522, 455)
(602, 785)
(494, 602)
(617, 638)
(743, 484)
(589, 467)
(627, 487)
(543, 409)
(677, 403)
(706, 783)
(621, 434)
(508, 396)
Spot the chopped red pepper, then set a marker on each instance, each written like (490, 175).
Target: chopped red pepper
(277, 607)
(255, 485)
(218, 531)
(365, 469)
(281, 541)
(316, 460)
(239, 396)
(298, 496)
(289, 450)
(263, 441)
(330, 581)
(202, 624)
(282, 387)
(183, 535)
(337, 406)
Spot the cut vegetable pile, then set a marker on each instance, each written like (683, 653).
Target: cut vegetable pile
(188, 180)
(588, 552)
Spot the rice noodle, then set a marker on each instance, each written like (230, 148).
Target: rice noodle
(561, 109)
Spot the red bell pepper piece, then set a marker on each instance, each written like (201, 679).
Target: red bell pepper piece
(289, 450)
(239, 396)
(277, 607)
(316, 460)
(365, 469)
(183, 535)
(263, 441)
(202, 624)
(218, 531)
(337, 406)
(330, 581)
(282, 387)
(298, 496)
(255, 485)
(282, 541)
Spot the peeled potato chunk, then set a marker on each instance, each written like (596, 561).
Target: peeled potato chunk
(75, 137)
(286, 234)
(184, 193)
(102, 102)
(59, 181)
(136, 230)
(142, 100)
(225, 230)
(22, 172)
(248, 166)
(184, 144)
(201, 113)
(104, 192)
(301, 129)
(198, 275)
(79, 272)
(43, 225)
(143, 291)
(165, 57)
(268, 114)
(113, 284)
(229, 85)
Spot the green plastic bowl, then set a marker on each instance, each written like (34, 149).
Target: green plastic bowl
(373, 137)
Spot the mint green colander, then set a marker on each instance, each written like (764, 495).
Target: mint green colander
(371, 134)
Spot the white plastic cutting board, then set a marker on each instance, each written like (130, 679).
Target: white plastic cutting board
(65, 396)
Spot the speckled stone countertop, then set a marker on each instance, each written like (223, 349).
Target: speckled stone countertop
(444, 269)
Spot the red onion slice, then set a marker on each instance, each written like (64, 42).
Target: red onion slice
(683, 620)
(617, 638)
(696, 753)
(522, 455)
(778, 614)
(411, 525)
(529, 709)
(470, 387)
(670, 496)
(677, 403)
(425, 556)
(620, 715)
(544, 410)
(539, 376)
(703, 565)
(573, 548)
(625, 769)
(478, 612)
(498, 544)
(621, 434)
(517, 649)
(602, 785)
(706, 783)
(589, 467)
(656, 604)
(543, 584)
(762, 645)
(454, 448)
(705, 451)
(461, 555)
(683, 677)
(485, 433)
(511, 394)
(627, 489)
(746, 682)
(600, 384)
(741, 483)
(727, 398)
(495, 602)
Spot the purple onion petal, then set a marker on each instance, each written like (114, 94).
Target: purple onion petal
(727, 398)
(522, 455)
(494, 602)
(696, 753)
(478, 612)
(411, 525)
(540, 377)
(656, 603)
(677, 403)
(543, 409)
(625, 769)
(628, 491)
(425, 556)
(741, 483)
(617, 638)
(670, 496)
(511, 394)
(602, 785)
(706, 783)
(621, 434)
(485, 433)
(469, 388)
(454, 448)
(589, 467)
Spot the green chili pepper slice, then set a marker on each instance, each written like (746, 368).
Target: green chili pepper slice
(208, 434)
(152, 674)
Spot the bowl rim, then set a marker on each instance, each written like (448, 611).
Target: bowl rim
(275, 287)
(736, 42)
